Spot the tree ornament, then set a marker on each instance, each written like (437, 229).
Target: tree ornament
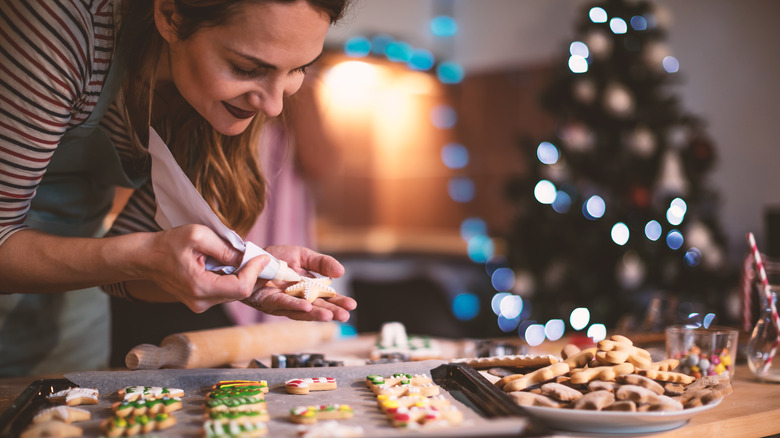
(654, 55)
(599, 44)
(642, 142)
(584, 90)
(618, 100)
(631, 270)
(671, 179)
(577, 137)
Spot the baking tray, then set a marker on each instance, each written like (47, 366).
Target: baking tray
(487, 410)
(30, 401)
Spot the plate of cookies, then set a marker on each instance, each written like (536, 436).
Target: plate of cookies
(612, 388)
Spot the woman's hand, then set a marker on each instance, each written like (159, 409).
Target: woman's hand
(270, 297)
(177, 264)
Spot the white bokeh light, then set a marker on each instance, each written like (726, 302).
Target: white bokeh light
(618, 26)
(620, 233)
(597, 332)
(578, 64)
(579, 318)
(595, 206)
(653, 230)
(578, 48)
(554, 329)
(544, 192)
(547, 153)
(534, 334)
(597, 15)
(511, 306)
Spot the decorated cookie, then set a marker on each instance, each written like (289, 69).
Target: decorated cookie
(131, 393)
(390, 404)
(137, 424)
(236, 404)
(164, 405)
(312, 288)
(65, 414)
(51, 428)
(238, 416)
(311, 414)
(330, 428)
(426, 417)
(401, 384)
(262, 385)
(75, 396)
(303, 386)
(394, 345)
(233, 429)
(254, 391)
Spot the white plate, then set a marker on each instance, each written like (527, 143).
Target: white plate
(606, 422)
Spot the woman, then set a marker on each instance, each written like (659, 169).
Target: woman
(81, 84)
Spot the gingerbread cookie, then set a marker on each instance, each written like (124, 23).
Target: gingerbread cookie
(236, 404)
(644, 382)
(636, 394)
(311, 414)
(330, 428)
(667, 376)
(533, 361)
(594, 401)
(560, 392)
(541, 375)
(132, 393)
(262, 385)
(303, 386)
(51, 428)
(581, 358)
(619, 349)
(65, 414)
(312, 288)
(607, 373)
(524, 398)
(239, 416)
(75, 396)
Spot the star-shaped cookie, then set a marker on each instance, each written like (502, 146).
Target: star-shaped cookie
(312, 288)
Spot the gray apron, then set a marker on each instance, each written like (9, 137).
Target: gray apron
(62, 332)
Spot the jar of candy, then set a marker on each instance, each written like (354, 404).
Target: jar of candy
(702, 351)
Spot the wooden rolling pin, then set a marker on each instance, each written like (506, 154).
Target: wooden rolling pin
(229, 345)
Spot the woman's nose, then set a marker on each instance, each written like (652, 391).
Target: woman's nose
(267, 98)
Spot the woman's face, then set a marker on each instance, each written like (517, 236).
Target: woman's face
(231, 72)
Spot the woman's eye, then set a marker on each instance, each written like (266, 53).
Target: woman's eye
(238, 71)
(301, 70)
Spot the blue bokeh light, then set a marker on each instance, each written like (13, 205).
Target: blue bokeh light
(674, 239)
(472, 226)
(444, 26)
(449, 73)
(671, 64)
(653, 230)
(461, 189)
(398, 51)
(444, 116)
(421, 60)
(503, 279)
(379, 44)
(507, 325)
(455, 155)
(638, 22)
(562, 202)
(480, 249)
(692, 257)
(357, 47)
(465, 306)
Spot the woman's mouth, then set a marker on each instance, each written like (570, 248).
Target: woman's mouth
(238, 112)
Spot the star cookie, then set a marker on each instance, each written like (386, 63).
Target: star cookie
(312, 288)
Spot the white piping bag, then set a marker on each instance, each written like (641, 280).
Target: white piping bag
(179, 203)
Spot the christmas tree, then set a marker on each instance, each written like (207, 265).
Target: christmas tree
(614, 212)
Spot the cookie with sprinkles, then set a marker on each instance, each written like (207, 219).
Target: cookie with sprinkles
(131, 393)
(234, 429)
(311, 414)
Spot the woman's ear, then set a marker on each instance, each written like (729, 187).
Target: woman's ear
(164, 18)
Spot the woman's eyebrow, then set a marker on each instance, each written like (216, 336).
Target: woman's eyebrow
(267, 65)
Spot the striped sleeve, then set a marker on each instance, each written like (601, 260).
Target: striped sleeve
(138, 213)
(53, 59)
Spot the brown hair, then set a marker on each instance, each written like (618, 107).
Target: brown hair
(224, 169)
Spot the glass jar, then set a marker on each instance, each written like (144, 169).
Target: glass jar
(763, 351)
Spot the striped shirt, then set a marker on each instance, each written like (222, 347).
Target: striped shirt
(54, 57)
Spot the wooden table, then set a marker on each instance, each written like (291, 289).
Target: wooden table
(752, 410)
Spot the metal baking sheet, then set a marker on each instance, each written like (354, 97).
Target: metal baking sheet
(487, 412)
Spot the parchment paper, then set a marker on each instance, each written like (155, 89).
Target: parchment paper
(351, 390)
